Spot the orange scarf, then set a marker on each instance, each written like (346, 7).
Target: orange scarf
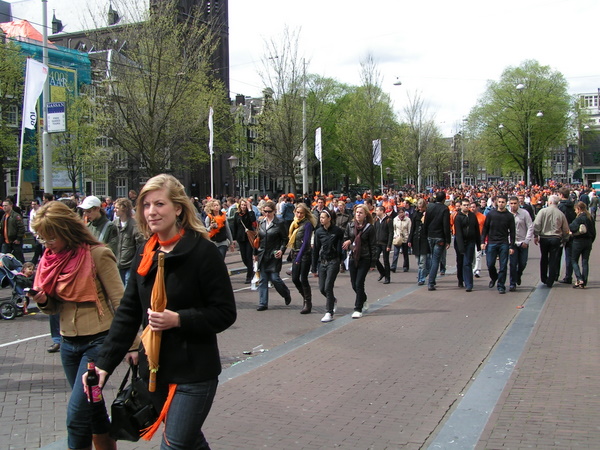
(220, 221)
(150, 250)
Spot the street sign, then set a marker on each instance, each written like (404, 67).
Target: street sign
(56, 117)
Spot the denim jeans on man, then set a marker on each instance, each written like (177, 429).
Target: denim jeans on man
(358, 275)
(83, 419)
(467, 264)
(518, 262)
(189, 409)
(436, 247)
(328, 272)
(424, 265)
(500, 252)
(263, 287)
(549, 259)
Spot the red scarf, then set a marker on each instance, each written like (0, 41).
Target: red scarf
(69, 275)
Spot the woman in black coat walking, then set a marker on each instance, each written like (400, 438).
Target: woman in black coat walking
(273, 241)
(582, 244)
(417, 241)
(244, 220)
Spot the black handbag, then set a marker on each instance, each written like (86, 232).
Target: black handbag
(132, 410)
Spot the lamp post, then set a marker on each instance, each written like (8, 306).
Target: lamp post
(233, 164)
(521, 87)
(582, 155)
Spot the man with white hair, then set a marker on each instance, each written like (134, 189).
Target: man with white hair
(551, 230)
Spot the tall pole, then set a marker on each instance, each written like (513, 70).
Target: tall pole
(46, 147)
(528, 153)
(304, 147)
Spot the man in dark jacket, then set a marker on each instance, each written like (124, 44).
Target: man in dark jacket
(384, 232)
(499, 229)
(467, 239)
(13, 230)
(567, 207)
(437, 227)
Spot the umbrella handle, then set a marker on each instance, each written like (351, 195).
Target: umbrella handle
(152, 382)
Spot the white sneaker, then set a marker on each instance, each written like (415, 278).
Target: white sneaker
(327, 318)
(356, 315)
(366, 307)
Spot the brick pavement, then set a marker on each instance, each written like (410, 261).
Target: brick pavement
(388, 380)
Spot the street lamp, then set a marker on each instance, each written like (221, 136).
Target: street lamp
(582, 156)
(233, 164)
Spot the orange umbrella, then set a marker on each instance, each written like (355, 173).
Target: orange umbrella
(151, 339)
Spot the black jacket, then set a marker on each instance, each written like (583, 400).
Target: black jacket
(241, 223)
(199, 289)
(589, 224)
(437, 222)
(384, 231)
(368, 245)
(328, 243)
(271, 239)
(466, 227)
(567, 207)
(418, 236)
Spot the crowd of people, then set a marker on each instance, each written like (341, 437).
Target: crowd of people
(104, 267)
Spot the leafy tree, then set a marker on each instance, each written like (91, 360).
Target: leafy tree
(75, 149)
(508, 120)
(160, 89)
(12, 65)
(367, 115)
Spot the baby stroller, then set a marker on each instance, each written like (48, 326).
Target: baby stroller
(10, 267)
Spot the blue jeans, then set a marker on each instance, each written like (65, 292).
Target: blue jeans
(54, 320)
(437, 248)
(581, 248)
(500, 251)
(125, 275)
(424, 265)
(397, 248)
(83, 419)
(467, 264)
(358, 275)
(328, 272)
(189, 409)
(518, 262)
(263, 287)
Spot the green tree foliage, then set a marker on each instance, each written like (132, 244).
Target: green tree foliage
(506, 119)
(75, 150)
(12, 65)
(160, 89)
(366, 115)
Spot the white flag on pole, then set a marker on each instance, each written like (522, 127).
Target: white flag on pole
(35, 77)
(377, 152)
(318, 143)
(210, 127)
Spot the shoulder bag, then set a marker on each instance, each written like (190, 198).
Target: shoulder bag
(132, 410)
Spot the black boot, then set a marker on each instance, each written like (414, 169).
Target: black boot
(307, 308)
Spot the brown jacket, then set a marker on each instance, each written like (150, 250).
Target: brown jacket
(84, 319)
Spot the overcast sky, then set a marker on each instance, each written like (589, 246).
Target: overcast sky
(446, 51)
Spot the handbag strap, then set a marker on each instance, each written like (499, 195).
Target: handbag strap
(133, 369)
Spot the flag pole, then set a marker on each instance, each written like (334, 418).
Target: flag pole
(210, 150)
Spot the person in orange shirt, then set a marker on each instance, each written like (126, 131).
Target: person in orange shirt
(478, 253)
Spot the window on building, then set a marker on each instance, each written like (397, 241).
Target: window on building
(100, 187)
(121, 185)
(121, 159)
(589, 101)
(12, 117)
